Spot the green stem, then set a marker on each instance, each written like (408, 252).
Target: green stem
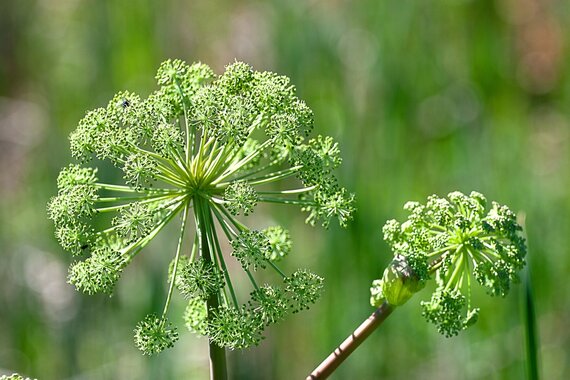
(443, 250)
(529, 316)
(149, 200)
(254, 171)
(467, 272)
(142, 242)
(293, 191)
(286, 201)
(181, 164)
(219, 254)
(232, 150)
(228, 230)
(189, 133)
(218, 366)
(216, 163)
(237, 165)
(276, 268)
(126, 189)
(176, 259)
(251, 279)
(240, 227)
(272, 177)
(531, 334)
(457, 264)
(162, 163)
(154, 197)
(171, 180)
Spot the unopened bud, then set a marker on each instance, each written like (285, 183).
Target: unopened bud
(400, 282)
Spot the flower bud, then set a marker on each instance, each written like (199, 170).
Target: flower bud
(400, 282)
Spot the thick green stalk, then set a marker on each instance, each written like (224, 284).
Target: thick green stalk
(218, 366)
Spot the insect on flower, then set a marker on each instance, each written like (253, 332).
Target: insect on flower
(205, 149)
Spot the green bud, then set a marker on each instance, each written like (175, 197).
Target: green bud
(304, 288)
(76, 238)
(135, 220)
(240, 197)
(167, 139)
(74, 175)
(270, 303)
(99, 273)
(198, 279)
(251, 248)
(328, 205)
(196, 316)
(400, 282)
(235, 328)
(279, 242)
(153, 335)
(237, 77)
(140, 170)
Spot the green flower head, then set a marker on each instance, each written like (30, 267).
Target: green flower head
(454, 240)
(154, 334)
(206, 149)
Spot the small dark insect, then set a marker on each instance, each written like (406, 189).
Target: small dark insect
(125, 103)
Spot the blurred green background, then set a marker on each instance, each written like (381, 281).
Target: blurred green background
(424, 97)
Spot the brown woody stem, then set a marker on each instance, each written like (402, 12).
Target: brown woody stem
(327, 367)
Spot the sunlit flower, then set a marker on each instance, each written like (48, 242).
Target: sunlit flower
(455, 240)
(206, 149)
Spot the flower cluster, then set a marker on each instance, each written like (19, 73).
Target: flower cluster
(204, 148)
(453, 239)
(14, 376)
(154, 334)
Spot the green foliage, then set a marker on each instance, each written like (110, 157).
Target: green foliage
(214, 146)
(454, 240)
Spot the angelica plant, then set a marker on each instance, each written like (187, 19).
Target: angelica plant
(457, 242)
(204, 149)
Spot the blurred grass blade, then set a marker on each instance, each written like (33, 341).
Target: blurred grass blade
(530, 330)
(529, 316)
